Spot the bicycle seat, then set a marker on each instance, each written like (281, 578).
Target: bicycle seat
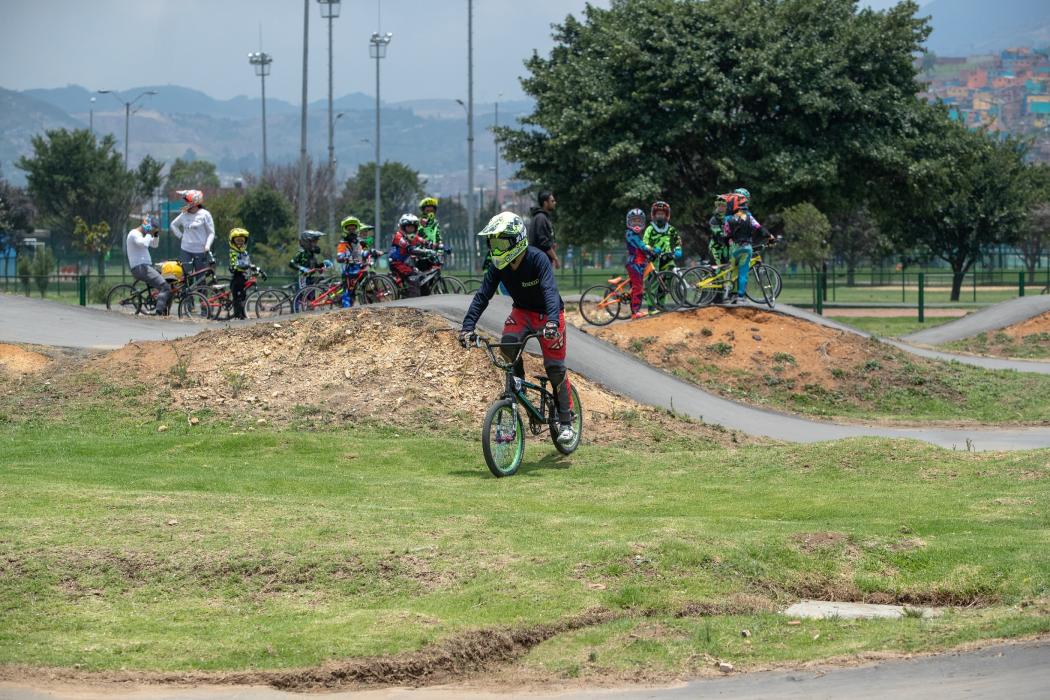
(616, 280)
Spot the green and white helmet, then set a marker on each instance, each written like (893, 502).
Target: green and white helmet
(507, 238)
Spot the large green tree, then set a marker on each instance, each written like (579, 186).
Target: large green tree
(148, 178)
(71, 174)
(402, 189)
(798, 100)
(264, 211)
(961, 192)
(16, 214)
(191, 175)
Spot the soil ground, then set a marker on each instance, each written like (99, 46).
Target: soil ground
(17, 361)
(773, 360)
(1029, 339)
(399, 367)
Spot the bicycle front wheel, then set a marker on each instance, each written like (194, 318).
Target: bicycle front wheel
(268, 303)
(503, 438)
(312, 300)
(576, 421)
(450, 285)
(763, 285)
(375, 288)
(661, 290)
(195, 306)
(599, 305)
(697, 288)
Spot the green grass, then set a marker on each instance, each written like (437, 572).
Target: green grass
(888, 326)
(215, 548)
(1034, 346)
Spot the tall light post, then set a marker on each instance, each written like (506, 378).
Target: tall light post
(330, 11)
(495, 142)
(127, 114)
(470, 128)
(302, 120)
(261, 62)
(91, 116)
(377, 50)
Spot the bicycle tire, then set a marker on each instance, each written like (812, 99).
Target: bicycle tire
(305, 301)
(125, 299)
(267, 303)
(766, 286)
(577, 422)
(195, 306)
(599, 306)
(450, 285)
(495, 442)
(696, 296)
(471, 285)
(659, 288)
(374, 289)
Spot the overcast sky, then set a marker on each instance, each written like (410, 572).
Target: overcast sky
(117, 44)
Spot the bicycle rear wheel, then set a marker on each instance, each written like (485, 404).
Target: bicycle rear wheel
(312, 299)
(576, 421)
(503, 438)
(599, 305)
(125, 299)
(374, 289)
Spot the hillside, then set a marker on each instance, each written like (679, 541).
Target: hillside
(428, 134)
(964, 27)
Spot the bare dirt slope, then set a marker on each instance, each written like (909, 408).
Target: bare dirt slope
(1028, 339)
(385, 366)
(793, 364)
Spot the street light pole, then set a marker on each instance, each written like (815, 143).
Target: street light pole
(261, 61)
(330, 11)
(495, 141)
(377, 50)
(302, 120)
(91, 116)
(127, 114)
(470, 128)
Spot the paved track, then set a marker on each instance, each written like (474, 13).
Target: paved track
(907, 346)
(600, 361)
(989, 319)
(1017, 672)
(33, 321)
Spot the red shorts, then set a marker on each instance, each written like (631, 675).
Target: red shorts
(520, 322)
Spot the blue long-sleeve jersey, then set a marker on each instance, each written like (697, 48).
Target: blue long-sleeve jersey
(532, 287)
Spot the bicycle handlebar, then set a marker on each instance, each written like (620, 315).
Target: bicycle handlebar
(498, 360)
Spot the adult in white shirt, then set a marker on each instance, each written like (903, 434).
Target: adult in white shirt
(137, 245)
(195, 228)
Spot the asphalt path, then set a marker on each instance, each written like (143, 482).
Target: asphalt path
(991, 318)
(626, 375)
(905, 343)
(1014, 671)
(34, 321)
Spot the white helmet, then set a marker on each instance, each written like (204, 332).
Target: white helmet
(406, 220)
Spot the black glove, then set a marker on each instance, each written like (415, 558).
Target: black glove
(467, 338)
(550, 331)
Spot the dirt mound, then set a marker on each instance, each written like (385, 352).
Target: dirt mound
(1028, 339)
(15, 360)
(390, 366)
(790, 364)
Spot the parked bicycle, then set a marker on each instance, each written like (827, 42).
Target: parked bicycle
(503, 430)
(367, 286)
(215, 302)
(429, 277)
(602, 304)
(139, 298)
(704, 282)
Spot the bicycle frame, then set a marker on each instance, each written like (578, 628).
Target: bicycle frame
(517, 387)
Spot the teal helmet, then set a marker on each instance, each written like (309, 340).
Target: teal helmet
(743, 193)
(506, 237)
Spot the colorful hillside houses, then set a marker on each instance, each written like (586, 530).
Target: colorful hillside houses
(1008, 92)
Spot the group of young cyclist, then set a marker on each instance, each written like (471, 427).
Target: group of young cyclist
(732, 231)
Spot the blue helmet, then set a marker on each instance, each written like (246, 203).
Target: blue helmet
(743, 193)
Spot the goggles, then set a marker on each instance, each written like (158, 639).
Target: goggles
(500, 244)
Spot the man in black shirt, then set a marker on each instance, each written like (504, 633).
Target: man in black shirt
(541, 233)
(527, 274)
